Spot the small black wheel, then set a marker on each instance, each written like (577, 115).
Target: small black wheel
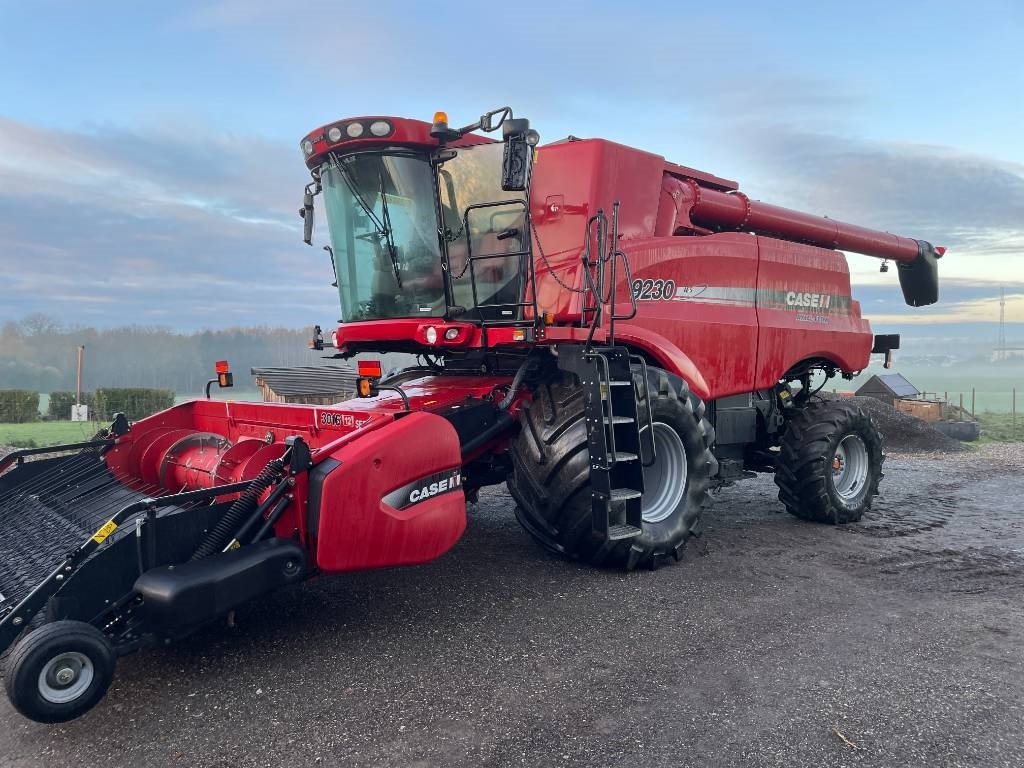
(59, 671)
(551, 478)
(830, 463)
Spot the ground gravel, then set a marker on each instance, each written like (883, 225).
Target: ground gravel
(774, 643)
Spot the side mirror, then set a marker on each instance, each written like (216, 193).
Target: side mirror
(519, 143)
(306, 212)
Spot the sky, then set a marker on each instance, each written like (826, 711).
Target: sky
(150, 171)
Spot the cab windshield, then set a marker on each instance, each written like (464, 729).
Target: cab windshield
(381, 210)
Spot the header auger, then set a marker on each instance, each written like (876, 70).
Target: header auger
(610, 334)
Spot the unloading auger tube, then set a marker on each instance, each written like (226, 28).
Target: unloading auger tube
(721, 211)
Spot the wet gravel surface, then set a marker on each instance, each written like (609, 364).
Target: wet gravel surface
(775, 643)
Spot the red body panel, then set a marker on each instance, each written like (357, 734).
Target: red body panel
(358, 529)
(728, 327)
(206, 443)
(805, 311)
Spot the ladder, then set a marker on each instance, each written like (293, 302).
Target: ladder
(619, 433)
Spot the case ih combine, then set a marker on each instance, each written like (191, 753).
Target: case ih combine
(609, 333)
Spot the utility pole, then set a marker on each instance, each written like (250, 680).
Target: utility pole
(79, 412)
(1001, 341)
(78, 380)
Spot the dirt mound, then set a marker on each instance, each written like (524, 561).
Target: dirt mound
(902, 432)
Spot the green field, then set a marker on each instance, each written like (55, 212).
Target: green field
(996, 428)
(993, 385)
(1001, 428)
(42, 433)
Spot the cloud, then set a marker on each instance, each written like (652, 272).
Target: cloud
(970, 203)
(117, 227)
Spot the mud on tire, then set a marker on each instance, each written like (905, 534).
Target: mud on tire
(551, 478)
(809, 467)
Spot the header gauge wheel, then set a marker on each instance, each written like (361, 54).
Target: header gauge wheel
(59, 671)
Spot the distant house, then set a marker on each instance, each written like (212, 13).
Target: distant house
(313, 385)
(888, 388)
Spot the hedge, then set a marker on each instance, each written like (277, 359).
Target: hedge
(134, 403)
(61, 402)
(19, 405)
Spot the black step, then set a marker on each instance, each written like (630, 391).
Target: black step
(619, 420)
(624, 494)
(613, 438)
(622, 531)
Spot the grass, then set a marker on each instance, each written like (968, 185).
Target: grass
(995, 428)
(1001, 428)
(39, 434)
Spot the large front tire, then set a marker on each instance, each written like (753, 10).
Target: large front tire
(551, 478)
(830, 463)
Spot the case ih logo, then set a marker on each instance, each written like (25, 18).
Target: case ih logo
(425, 488)
(815, 300)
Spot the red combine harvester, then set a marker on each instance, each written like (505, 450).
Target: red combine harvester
(611, 334)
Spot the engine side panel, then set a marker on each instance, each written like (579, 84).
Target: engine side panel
(699, 293)
(805, 310)
(571, 181)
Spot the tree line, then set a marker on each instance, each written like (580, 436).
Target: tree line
(40, 353)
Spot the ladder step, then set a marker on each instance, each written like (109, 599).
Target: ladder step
(623, 456)
(619, 420)
(623, 531)
(621, 383)
(624, 494)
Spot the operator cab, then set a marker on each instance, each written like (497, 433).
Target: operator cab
(425, 222)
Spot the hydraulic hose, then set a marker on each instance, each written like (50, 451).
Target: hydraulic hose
(218, 536)
(517, 380)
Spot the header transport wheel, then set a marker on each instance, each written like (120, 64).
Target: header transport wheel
(830, 464)
(59, 671)
(551, 478)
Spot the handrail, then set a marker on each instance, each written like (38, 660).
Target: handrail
(594, 274)
(524, 272)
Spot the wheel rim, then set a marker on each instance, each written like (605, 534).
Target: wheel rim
(850, 467)
(665, 479)
(66, 677)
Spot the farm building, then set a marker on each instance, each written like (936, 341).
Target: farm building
(888, 388)
(313, 385)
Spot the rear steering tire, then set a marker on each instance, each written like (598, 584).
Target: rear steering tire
(59, 671)
(551, 478)
(830, 463)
